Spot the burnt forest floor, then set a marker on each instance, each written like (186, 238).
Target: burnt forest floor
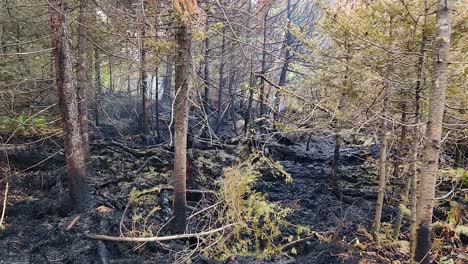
(41, 228)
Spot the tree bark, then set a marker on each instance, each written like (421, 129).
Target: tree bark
(82, 76)
(430, 156)
(181, 111)
(74, 152)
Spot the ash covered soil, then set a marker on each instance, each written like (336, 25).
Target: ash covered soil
(41, 228)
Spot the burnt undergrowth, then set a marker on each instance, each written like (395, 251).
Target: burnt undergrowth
(130, 179)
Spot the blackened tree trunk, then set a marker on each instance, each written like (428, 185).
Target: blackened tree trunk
(334, 166)
(430, 155)
(74, 152)
(181, 111)
(82, 76)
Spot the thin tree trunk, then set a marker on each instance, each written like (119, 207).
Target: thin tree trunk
(334, 166)
(74, 152)
(430, 156)
(248, 112)
(221, 81)
(206, 78)
(382, 175)
(97, 72)
(285, 68)
(167, 84)
(129, 87)
(263, 69)
(156, 76)
(383, 150)
(181, 111)
(396, 173)
(81, 75)
(416, 136)
(145, 124)
(110, 62)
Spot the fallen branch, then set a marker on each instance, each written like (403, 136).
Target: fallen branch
(171, 188)
(151, 152)
(4, 205)
(163, 238)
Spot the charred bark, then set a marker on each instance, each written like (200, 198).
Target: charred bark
(74, 152)
(181, 111)
(81, 75)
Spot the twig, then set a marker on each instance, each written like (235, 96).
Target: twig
(163, 238)
(73, 222)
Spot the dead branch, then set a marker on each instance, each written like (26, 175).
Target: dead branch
(163, 238)
(4, 205)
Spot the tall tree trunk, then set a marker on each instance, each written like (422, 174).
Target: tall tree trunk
(145, 124)
(382, 175)
(206, 78)
(396, 173)
(416, 136)
(156, 103)
(383, 149)
(263, 69)
(285, 68)
(221, 81)
(74, 152)
(82, 76)
(110, 61)
(181, 111)
(430, 155)
(248, 112)
(98, 84)
(156, 76)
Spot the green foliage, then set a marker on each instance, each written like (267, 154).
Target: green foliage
(446, 260)
(455, 174)
(22, 124)
(260, 223)
(160, 46)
